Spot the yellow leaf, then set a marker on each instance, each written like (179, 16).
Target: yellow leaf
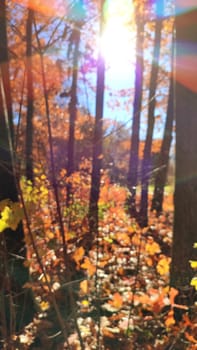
(3, 225)
(152, 247)
(5, 214)
(193, 264)
(194, 282)
(45, 278)
(163, 266)
(85, 303)
(108, 240)
(11, 215)
(44, 305)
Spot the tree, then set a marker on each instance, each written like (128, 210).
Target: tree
(164, 155)
(185, 198)
(30, 96)
(132, 177)
(97, 144)
(162, 164)
(75, 39)
(18, 303)
(146, 163)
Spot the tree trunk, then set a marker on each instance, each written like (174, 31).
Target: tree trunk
(185, 198)
(146, 163)
(161, 176)
(132, 178)
(30, 97)
(13, 274)
(5, 66)
(97, 146)
(73, 112)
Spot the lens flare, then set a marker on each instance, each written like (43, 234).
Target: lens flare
(117, 41)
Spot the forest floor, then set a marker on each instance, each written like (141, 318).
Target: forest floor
(122, 292)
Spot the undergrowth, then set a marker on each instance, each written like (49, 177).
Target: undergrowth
(117, 295)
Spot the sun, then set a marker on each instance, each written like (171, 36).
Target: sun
(117, 44)
(118, 39)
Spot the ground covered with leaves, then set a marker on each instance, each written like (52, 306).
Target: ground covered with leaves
(115, 295)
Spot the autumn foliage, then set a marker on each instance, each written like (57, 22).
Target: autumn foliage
(104, 291)
(122, 284)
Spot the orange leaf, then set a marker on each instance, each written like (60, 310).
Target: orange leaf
(84, 286)
(170, 321)
(88, 266)
(187, 321)
(116, 301)
(142, 299)
(108, 334)
(149, 262)
(102, 263)
(136, 240)
(190, 338)
(78, 255)
(123, 238)
(173, 293)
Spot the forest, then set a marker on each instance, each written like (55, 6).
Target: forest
(98, 175)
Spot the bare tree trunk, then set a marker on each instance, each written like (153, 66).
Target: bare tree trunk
(146, 163)
(161, 176)
(73, 111)
(97, 146)
(185, 199)
(30, 97)
(5, 66)
(132, 177)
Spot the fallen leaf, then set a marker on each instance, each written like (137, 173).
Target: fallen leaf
(87, 265)
(84, 286)
(116, 301)
(78, 255)
(170, 321)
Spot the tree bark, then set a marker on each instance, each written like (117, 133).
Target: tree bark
(30, 97)
(5, 66)
(162, 165)
(97, 146)
(185, 198)
(132, 177)
(146, 163)
(73, 112)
